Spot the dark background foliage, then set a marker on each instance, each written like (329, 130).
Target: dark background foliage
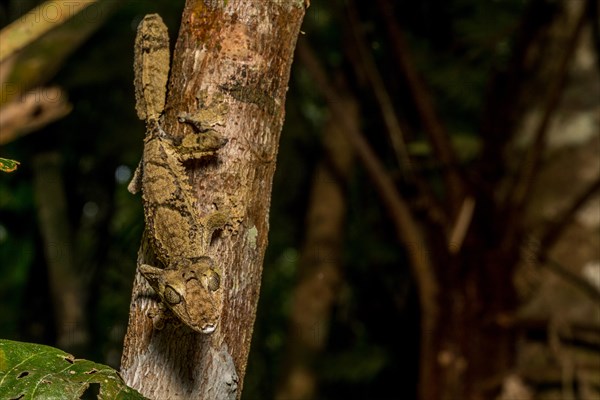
(372, 345)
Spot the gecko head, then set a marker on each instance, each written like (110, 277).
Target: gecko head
(191, 292)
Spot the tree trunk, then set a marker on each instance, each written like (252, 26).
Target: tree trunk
(477, 347)
(66, 286)
(320, 269)
(241, 52)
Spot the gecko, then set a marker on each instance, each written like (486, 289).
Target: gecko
(190, 283)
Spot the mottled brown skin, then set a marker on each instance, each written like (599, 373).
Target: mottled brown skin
(189, 284)
(176, 287)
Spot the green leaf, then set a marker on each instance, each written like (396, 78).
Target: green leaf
(7, 165)
(31, 371)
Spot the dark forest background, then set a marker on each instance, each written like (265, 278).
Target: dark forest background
(435, 220)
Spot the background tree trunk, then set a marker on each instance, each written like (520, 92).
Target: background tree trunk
(320, 266)
(67, 287)
(241, 51)
(478, 287)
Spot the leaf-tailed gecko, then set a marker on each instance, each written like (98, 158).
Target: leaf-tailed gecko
(190, 283)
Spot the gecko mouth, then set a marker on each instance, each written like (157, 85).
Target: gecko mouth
(209, 328)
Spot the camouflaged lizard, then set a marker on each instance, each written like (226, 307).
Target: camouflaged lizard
(189, 283)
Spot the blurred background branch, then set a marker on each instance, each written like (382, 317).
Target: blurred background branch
(453, 251)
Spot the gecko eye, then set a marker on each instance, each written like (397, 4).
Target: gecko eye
(213, 282)
(171, 296)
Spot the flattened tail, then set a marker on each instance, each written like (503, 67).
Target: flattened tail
(151, 67)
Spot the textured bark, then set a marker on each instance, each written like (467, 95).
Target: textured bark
(320, 264)
(242, 51)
